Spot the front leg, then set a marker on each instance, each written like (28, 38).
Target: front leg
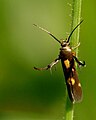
(81, 63)
(76, 46)
(48, 66)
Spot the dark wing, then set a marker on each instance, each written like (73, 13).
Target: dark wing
(74, 86)
(72, 81)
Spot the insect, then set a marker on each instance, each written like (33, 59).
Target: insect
(68, 58)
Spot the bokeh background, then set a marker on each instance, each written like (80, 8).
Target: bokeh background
(26, 94)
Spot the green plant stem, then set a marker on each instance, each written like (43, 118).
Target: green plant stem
(76, 16)
(69, 109)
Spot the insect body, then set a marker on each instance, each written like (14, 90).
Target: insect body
(68, 59)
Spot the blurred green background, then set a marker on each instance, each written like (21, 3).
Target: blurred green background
(26, 94)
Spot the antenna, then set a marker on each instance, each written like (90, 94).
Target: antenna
(73, 31)
(47, 32)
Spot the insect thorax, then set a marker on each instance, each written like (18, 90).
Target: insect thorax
(65, 49)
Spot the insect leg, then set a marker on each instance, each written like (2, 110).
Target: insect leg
(81, 63)
(76, 46)
(49, 66)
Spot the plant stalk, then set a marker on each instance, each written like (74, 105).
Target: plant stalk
(76, 16)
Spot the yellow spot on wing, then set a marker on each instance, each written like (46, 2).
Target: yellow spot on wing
(67, 63)
(72, 70)
(68, 81)
(79, 84)
(72, 81)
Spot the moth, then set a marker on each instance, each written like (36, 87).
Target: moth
(68, 58)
